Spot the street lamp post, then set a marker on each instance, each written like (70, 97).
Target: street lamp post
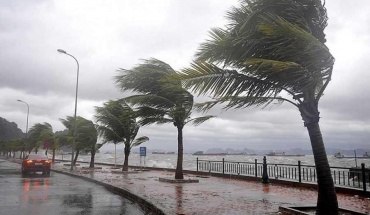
(28, 112)
(74, 129)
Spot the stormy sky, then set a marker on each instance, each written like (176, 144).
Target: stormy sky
(107, 35)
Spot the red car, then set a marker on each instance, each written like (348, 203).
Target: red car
(36, 163)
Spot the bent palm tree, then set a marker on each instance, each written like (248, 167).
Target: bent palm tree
(272, 51)
(117, 123)
(85, 136)
(41, 135)
(161, 99)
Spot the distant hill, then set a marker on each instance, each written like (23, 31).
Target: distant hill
(329, 151)
(9, 130)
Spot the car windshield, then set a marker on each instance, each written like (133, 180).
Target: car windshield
(40, 156)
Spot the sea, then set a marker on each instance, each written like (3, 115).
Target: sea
(190, 160)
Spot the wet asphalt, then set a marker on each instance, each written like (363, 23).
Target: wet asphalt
(37, 194)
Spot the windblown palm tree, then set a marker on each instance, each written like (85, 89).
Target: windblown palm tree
(117, 123)
(161, 99)
(272, 50)
(15, 145)
(41, 135)
(85, 137)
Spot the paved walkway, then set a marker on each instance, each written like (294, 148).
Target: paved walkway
(212, 195)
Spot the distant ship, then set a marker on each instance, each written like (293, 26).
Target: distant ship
(340, 155)
(201, 153)
(221, 153)
(162, 152)
(284, 154)
(158, 152)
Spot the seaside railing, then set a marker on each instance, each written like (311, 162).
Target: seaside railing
(355, 177)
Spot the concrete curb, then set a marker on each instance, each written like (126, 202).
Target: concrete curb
(300, 210)
(146, 205)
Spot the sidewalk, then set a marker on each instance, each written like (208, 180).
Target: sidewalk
(211, 195)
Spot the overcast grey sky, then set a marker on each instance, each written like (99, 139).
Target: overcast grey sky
(107, 35)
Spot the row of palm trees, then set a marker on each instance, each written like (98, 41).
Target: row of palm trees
(116, 123)
(271, 51)
(160, 99)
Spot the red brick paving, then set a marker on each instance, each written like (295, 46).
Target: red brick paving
(214, 195)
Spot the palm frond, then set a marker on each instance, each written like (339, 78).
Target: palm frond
(205, 106)
(147, 77)
(246, 101)
(139, 141)
(117, 121)
(288, 42)
(199, 120)
(204, 78)
(151, 100)
(155, 120)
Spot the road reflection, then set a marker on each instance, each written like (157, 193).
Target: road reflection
(37, 194)
(179, 199)
(35, 190)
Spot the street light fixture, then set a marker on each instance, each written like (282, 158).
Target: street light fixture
(28, 112)
(74, 129)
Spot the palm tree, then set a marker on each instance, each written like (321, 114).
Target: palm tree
(272, 50)
(61, 138)
(85, 136)
(117, 123)
(161, 99)
(15, 145)
(41, 135)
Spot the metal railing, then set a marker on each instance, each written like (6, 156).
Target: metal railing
(355, 177)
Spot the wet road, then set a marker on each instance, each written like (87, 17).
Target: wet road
(56, 194)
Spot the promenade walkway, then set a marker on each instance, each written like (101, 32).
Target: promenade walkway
(212, 195)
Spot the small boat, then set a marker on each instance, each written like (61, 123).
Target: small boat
(338, 155)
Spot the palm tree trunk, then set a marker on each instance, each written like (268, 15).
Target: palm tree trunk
(180, 152)
(115, 154)
(53, 158)
(92, 160)
(127, 153)
(327, 203)
(75, 160)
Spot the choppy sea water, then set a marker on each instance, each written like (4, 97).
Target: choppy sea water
(189, 163)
